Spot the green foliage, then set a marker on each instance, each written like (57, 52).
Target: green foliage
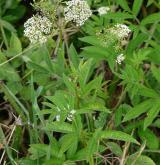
(69, 100)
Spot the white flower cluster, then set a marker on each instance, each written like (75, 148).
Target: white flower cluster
(121, 31)
(77, 11)
(103, 10)
(69, 116)
(37, 28)
(120, 58)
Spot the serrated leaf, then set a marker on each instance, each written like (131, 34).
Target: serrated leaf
(136, 42)
(37, 67)
(73, 56)
(118, 15)
(92, 146)
(95, 52)
(80, 155)
(156, 72)
(142, 160)
(8, 26)
(115, 148)
(151, 115)
(93, 40)
(38, 150)
(69, 84)
(59, 127)
(15, 44)
(93, 107)
(152, 141)
(137, 6)
(138, 110)
(117, 135)
(148, 92)
(151, 18)
(95, 84)
(66, 142)
(123, 4)
(85, 70)
(119, 113)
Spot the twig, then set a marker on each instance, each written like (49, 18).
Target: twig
(9, 139)
(139, 153)
(122, 161)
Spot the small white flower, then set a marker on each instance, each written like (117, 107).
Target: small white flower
(70, 115)
(77, 11)
(120, 58)
(121, 31)
(57, 117)
(37, 28)
(103, 10)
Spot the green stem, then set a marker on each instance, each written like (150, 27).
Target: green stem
(4, 37)
(19, 54)
(91, 161)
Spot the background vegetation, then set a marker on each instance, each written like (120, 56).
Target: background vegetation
(68, 101)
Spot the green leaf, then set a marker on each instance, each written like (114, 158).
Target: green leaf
(38, 150)
(73, 148)
(115, 148)
(92, 146)
(93, 107)
(151, 19)
(85, 70)
(142, 160)
(15, 45)
(119, 113)
(138, 110)
(8, 26)
(14, 101)
(37, 67)
(67, 141)
(148, 92)
(7, 72)
(135, 43)
(151, 115)
(123, 4)
(61, 127)
(152, 141)
(137, 6)
(156, 72)
(27, 161)
(150, 2)
(73, 56)
(156, 123)
(57, 161)
(118, 16)
(95, 84)
(93, 40)
(117, 135)
(95, 52)
(47, 58)
(80, 155)
(69, 84)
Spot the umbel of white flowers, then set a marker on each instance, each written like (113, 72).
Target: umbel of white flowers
(121, 31)
(114, 35)
(37, 29)
(77, 11)
(120, 58)
(103, 10)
